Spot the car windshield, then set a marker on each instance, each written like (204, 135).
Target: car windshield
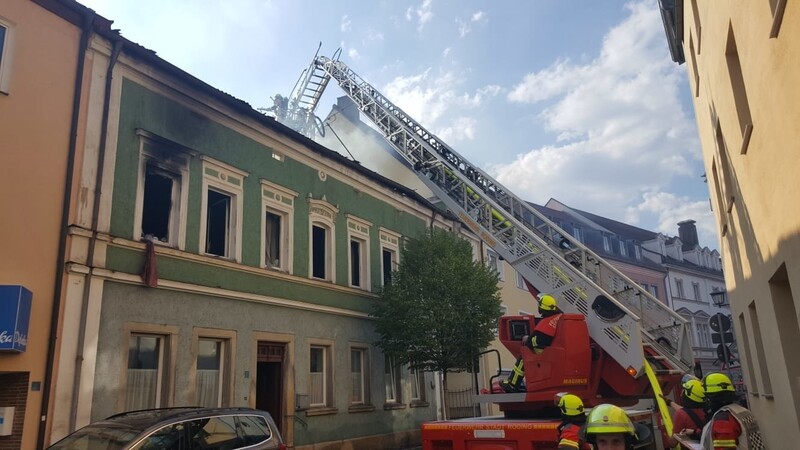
(97, 437)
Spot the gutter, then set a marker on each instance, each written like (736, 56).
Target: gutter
(73, 417)
(86, 32)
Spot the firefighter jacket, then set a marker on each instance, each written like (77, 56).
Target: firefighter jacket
(732, 427)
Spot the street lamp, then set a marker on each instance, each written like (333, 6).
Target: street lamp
(719, 298)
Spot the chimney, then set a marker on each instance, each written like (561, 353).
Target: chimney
(687, 231)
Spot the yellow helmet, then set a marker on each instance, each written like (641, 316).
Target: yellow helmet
(716, 382)
(547, 302)
(694, 391)
(606, 418)
(570, 405)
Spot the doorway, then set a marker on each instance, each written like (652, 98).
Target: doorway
(269, 380)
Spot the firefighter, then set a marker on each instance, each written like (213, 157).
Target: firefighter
(572, 419)
(730, 424)
(691, 418)
(543, 334)
(609, 428)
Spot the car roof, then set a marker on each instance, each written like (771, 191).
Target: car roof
(147, 418)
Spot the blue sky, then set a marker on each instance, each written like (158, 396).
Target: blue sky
(576, 100)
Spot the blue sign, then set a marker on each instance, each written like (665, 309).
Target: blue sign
(15, 314)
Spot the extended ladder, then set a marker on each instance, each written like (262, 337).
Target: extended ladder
(626, 320)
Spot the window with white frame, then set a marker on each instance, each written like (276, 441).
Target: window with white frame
(623, 248)
(696, 289)
(359, 386)
(520, 281)
(577, 233)
(654, 290)
(277, 219)
(392, 381)
(221, 227)
(6, 48)
(637, 251)
(146, 377)
(679, 288)
(390, 254)
(162, 191)
(211, 374)
(358, 255)
(703, 332)
(319, 376)
(322, 216)
(417, 382)
(606, 244)
(494, 262)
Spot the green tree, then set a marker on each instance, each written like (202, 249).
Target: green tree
(441, 307)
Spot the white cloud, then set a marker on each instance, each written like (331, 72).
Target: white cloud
(446, 52)
(372, 36)
(670, 209)
(427, 98)
(353, 54)
(460, 129)
(622, 135)
(423, 14)
(345, 23)
(464, 26)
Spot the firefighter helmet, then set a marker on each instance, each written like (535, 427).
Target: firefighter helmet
(693, 390)
(570, 405)
(606, 419)
(547, 302)
(715, 383)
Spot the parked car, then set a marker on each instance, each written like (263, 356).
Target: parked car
(185, 428)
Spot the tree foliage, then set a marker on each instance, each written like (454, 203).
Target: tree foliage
(441, 307)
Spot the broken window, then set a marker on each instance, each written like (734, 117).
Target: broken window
(218, 221)
(160, 194)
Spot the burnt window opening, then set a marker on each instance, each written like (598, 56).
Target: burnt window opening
(272, 237)
(159, 198)
(355, 262)
(218, 218)
(388, 260)
(319, 250)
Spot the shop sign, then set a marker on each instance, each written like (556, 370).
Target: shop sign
(15, 314)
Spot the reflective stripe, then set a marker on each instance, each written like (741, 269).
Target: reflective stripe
(724, 443)
(568, 443)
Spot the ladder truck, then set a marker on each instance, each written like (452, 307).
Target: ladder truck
(616, 343)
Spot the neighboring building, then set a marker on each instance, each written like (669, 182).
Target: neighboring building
(743, 74)
(40, 83)
(349, 135)
(675, 270)
(618, 243)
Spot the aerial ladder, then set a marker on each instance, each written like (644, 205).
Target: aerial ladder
(649, 343)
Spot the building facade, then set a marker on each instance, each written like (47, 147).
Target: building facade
(740, 58)
(221, 259)
(40, 85)
(201, 253)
